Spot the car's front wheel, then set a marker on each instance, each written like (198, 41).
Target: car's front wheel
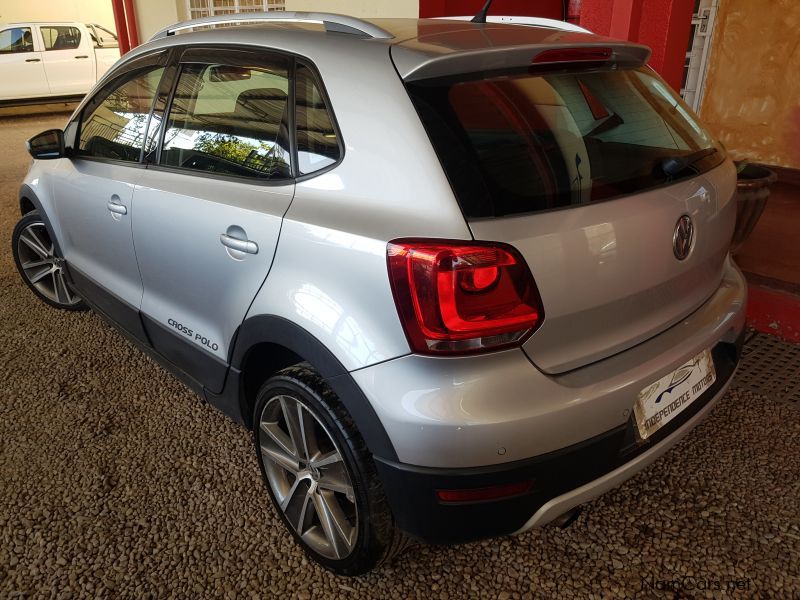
(40, 265)
(320, 475)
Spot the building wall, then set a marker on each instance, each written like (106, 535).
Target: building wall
(154, 15)
(83, 11)
(552, 9)
(359, 8)
(752, 90)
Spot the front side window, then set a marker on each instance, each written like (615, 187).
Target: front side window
(16, 39)
(60, 37)
(115, 120)
(230, 120)
(522, 142)
(317, 142)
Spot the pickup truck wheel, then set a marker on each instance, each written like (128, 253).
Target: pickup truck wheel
(41, 267)
(320, 475)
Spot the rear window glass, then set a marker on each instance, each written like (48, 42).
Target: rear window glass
(57, 37)
(527, 142)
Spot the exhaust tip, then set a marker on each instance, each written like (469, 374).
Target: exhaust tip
(568, 518)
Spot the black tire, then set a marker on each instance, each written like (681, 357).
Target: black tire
(64, 297)
(377, 539)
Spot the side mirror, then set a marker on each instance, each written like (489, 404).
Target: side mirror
(46, 145)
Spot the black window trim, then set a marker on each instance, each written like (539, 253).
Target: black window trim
(158, 58)
(248, 55)
(171, 59)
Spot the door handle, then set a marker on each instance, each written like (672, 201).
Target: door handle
(82, 56)
(236, 244)
(33, 60)
(119, 209)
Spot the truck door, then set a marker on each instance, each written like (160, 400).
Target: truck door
(21, 67)
(68, 59)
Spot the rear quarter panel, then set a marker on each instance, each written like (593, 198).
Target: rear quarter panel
(330, 275)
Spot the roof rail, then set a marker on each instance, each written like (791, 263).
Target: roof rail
(332, 22)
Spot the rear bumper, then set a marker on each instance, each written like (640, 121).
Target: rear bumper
(561, 480)
(572, 435)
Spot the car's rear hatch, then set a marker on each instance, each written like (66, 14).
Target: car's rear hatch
(595, 171)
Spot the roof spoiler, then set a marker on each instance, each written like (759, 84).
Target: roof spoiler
(413, 65)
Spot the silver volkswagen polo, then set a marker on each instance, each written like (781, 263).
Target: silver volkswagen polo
(458, 278)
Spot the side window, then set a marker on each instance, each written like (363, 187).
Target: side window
(317, 142)
(115, 120)
(230, 120)
(60, 37)
(16, 39)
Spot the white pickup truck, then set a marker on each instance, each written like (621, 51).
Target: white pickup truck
(44, 61)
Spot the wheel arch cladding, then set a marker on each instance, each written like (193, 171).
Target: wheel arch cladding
(279, 340)
(29, 201)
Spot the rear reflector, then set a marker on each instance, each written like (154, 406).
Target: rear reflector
(494, 492)
(458, 297)
(573, 55)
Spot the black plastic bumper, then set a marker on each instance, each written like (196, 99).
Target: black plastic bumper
(417, 510)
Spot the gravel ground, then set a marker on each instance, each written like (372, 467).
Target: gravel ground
(115, 481)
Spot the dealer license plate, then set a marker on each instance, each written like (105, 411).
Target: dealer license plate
(665, 399)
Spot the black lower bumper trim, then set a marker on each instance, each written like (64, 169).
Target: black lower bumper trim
(412, 490)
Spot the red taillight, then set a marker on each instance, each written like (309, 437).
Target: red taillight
(456, 297)
(494, 492)
(573, 55)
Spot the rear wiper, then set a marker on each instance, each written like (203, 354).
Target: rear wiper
(672, 165)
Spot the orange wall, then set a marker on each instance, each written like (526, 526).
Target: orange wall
(752, 93)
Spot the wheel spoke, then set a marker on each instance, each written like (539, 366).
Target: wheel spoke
(327, 459)
(32, 264)
(294, 414)
(334, 477)
(32, 242)
(279, 456)
(41, 274)
(306, 512)
(334, 523)
(290, 494)
(61, 289)
(278, 436)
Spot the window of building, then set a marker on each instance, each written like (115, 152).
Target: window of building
(207, 8)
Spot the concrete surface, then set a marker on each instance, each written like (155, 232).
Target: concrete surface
(117, 482)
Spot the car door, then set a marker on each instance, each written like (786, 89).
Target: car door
(68, 59)
(21, 66)
(93, 190)
(209, 207)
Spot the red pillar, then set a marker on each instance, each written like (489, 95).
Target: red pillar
(130, 19)
(664, 25)
(122, 28)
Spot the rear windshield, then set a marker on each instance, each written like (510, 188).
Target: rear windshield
(526, 142)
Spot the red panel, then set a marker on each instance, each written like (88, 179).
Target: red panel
(664, 25)
(551, 9)
(773, 312)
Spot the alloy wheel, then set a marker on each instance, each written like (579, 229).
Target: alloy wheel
(308, 477)
(41, 267)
